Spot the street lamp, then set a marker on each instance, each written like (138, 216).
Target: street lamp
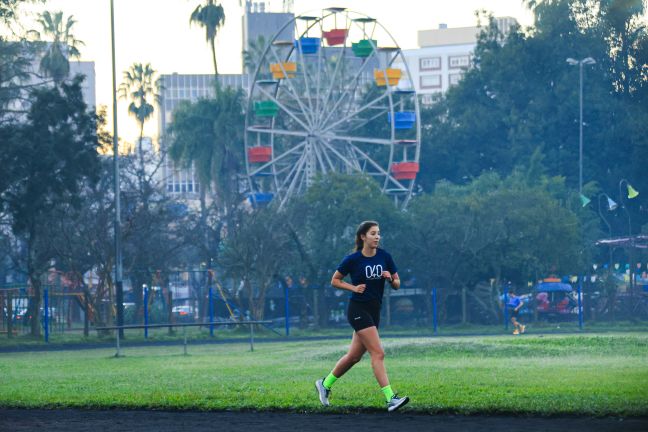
(632, 193)
(119, 287)
(580, 63)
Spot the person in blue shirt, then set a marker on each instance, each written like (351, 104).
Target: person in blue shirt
(514, 304)
(369, 268)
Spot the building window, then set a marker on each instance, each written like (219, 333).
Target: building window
(426, 99)
(429, 63)
(460, 61)
(430, 81)
(453, 79)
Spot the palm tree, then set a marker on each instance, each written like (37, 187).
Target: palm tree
(142, 87)
(208, 134)
(211, 16)
(55, 63)
(253, 55)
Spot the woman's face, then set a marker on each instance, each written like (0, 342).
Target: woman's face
(372, 238)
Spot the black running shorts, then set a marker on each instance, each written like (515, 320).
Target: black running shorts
(362, 315)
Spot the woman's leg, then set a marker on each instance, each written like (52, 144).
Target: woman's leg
(353, 356)
(371, 341)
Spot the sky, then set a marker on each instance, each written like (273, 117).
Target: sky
(158, 32)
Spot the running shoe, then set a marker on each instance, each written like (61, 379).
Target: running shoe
(516, 332)
(522, 328)
(396, 402)
(323, 392)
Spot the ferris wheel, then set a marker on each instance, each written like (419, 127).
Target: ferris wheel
(331, 100)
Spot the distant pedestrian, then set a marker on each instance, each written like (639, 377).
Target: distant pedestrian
(514, 303)
(369, 268)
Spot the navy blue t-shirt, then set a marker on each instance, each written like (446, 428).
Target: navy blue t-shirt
(368, 270)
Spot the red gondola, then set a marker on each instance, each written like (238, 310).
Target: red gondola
(259, 154)
(335, 36)
(405, 170)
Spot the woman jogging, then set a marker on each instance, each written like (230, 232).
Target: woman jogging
(369, 268)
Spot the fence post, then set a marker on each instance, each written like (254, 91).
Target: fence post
(118, 353)
(9, 315)
(170, 310)
(46, 313)
(184, 334)
(287, 310)
(146, 317)
(251, 337)
(211, 312)
(580, 302)
(434, 309)
(86, 317)
(506, 320)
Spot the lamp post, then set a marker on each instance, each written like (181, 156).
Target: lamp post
(611, 205)
(632, 193)
(119, 287)
(580, 63)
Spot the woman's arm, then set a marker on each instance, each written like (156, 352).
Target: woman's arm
(338, 283)
(393, 279)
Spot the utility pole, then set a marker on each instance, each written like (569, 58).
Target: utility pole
(580, 63)
(119, 287)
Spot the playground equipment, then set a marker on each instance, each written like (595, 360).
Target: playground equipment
(337, 98)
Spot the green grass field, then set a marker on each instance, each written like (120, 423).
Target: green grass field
(199, 334)
(590, 374)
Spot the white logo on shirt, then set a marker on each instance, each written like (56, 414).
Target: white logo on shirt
(374, 272)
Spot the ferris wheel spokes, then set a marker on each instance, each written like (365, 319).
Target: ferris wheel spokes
(275, 160)
(284, 108)
(287, 85)
(272, 131)
(353, 84)
(333, 81)
(349, 116)
(388, 177)
(352, 139)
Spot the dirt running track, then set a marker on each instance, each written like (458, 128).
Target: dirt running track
(15, 420)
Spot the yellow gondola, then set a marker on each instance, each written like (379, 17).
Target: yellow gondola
(290, 69)
(393, 76)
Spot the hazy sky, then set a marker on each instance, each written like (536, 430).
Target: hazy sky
(158, 31)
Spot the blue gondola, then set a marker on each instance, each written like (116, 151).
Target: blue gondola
(404, 119)
(309, 45)
(260, 198)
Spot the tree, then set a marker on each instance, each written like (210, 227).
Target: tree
(511, 229)
(256, 251)
(16, 56)
(143, 88)
(521, 96)
(158, 231)
(211, 16)
(53, 153)
(9, 9)
(208, 134)
(55, 62)
(253, 55)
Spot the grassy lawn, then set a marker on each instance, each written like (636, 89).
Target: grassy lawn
(591, 374)
(76, 337)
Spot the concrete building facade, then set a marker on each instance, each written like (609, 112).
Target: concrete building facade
(443, 56)
(178, 88)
